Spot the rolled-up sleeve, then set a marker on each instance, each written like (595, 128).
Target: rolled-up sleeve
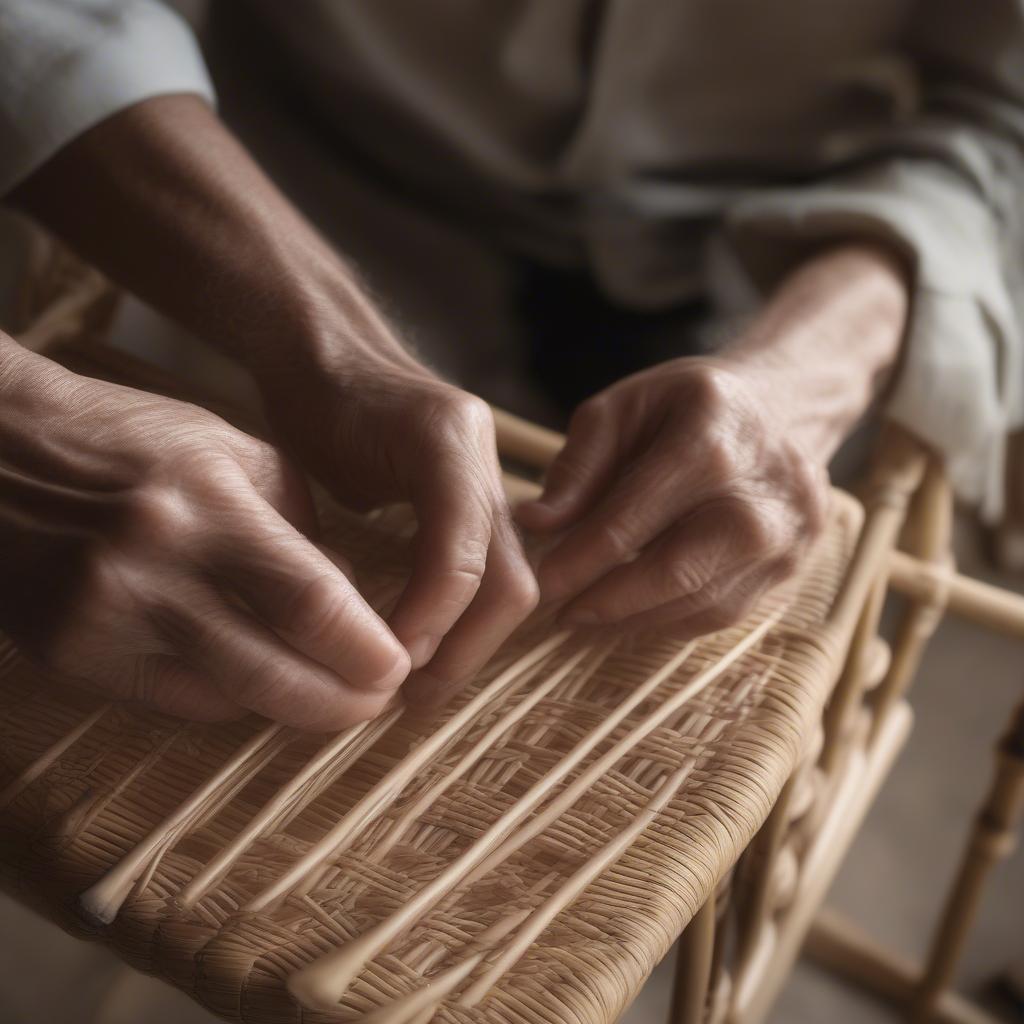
(66, 65)
(945, 184)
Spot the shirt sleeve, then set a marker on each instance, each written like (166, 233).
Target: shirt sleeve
(945, 184)
(66, 65)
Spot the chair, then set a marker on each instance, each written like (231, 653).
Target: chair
(533, 855)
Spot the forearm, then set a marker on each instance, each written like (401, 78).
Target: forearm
(165, 201)
(824, 345)
(15, 363)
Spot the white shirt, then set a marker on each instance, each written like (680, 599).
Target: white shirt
(669, 147)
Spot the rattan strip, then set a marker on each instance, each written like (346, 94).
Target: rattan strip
(722, 745)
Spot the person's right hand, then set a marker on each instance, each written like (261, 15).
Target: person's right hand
(342, 395)
(375, 426)
(154, 552)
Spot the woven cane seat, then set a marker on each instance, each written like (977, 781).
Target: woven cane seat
(528, 856)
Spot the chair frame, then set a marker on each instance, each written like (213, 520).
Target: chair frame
(904, 548)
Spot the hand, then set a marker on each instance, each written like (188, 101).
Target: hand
(685, 491)
(683, 498)
(349, 403)
(375, 426)
(151, 551)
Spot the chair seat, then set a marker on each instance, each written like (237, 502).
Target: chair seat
(682, 783)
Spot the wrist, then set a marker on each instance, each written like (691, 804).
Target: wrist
(196, 229)
(852, 300)
(15, 361)
(820, 351)
(34, 393)
(330, 333)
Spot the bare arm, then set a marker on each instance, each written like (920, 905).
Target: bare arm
(164, 200)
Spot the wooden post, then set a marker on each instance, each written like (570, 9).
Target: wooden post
(992, 838)
(693, 967)
(929, 538)
(846, 697)
(752, 911)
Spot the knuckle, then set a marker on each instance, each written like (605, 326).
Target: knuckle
(267, 683)
(589, 414)
(156, 514)
(463, 413)
(712, 389)
(268, 468)
(100, 576)
(719, 456)
(522, 591)
(755, 523)
(614, 540)
(684, 576)
(469, 561)
(318, 607)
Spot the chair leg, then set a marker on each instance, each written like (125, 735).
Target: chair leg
(929, 538)
(992, 839)
(693, 967)
(841, 946)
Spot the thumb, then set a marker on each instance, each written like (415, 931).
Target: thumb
(579, 475)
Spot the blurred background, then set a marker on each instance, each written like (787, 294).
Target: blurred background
(440, 284)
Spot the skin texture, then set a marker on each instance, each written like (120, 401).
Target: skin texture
(156, 553)
(165, 201)
(686, 490)
(185, 551)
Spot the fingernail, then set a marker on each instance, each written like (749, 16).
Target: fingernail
(421, 650)
(581, 617)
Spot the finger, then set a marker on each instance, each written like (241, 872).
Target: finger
(692, 560)
(645, 499)
(732, 608)
(339, 561)
(689, 617)
(169, 685)
(506, 597)
(282, 486)
(457, 502)
(309, 602)
(580, 473)
(252, 667)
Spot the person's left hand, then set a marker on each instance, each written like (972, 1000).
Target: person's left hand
(683, 496)
(686, 491)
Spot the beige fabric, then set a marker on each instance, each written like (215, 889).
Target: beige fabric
(66, 65)
(634, 135)
(637, 137)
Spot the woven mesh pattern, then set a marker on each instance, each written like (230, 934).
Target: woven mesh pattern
(88, 791)
(69, 815)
